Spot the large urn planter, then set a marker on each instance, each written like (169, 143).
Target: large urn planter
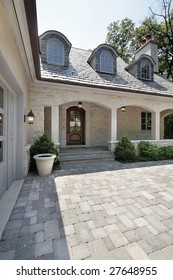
(44, 163)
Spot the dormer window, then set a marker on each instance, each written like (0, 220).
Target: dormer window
(145, 70)
(106, 62)
(55, 52)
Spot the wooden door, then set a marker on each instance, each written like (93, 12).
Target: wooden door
(75, 126)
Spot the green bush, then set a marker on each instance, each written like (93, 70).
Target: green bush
(166, 152)
(41, 146)
(125, 150)
(148, 150)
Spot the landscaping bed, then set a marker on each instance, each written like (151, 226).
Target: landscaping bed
(125, 151)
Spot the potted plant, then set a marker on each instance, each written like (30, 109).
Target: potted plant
(43, 155)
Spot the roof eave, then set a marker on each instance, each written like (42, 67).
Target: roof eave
(104, 87)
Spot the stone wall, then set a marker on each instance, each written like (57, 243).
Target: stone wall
(99, 125)
(129, 123)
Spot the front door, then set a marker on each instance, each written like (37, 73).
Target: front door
(75, 126)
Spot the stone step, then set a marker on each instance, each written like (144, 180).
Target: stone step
(81, 155)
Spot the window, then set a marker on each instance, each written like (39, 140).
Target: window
(145, 121)
(55, 52)
(145, 71)
(106, 62)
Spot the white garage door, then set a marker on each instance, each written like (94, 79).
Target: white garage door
(6, 139)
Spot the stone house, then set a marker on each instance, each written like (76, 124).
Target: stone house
(79, 97)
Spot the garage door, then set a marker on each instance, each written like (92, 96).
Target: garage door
(6, 139)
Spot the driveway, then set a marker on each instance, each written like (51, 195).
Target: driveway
(98, 211)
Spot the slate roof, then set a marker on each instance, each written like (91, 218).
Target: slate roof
(80, 72)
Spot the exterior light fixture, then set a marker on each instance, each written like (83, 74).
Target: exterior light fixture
(123, 108)
(0, 118)
(30, 117)
(79, 104)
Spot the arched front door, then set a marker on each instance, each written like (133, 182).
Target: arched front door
(75, 126)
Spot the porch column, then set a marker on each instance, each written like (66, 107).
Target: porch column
(156, 126)
(114, 124)
(55, 124)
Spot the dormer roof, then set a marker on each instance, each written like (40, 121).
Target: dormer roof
(101, 46)
(56, 34)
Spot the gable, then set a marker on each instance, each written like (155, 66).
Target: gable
(104, 59)
(142, 68)
(58, 43)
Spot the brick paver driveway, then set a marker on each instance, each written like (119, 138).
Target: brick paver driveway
(102, 211)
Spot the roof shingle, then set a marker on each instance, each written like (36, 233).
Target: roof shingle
(79, 72)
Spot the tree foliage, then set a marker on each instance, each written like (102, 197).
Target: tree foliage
(121, 35)
(125, 37)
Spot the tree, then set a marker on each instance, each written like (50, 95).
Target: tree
(165, 35)
(120, 35)
(125, 37)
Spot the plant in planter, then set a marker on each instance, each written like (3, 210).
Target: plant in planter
(43, 153)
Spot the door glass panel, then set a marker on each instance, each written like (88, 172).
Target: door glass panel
(75, 121)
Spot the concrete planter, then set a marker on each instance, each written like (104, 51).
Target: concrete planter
(44, 163)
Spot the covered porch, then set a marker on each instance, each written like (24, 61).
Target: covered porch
(93, 124)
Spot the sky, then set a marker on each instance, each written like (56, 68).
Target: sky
(85, 22)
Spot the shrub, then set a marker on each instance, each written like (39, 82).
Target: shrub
(125, 150)
(148, 150)
(41, 146)
(166, 152)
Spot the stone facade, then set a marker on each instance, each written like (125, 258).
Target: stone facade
(129, 123)
(99, 125)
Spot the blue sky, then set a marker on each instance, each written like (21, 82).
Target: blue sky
(84, 22)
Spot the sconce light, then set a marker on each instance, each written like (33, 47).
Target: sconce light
(30, 117)
(0, 118)
(79, 104)
(123, 108)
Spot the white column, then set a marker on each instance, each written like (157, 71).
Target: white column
(114, 124)
(55, 124)
(156, 126)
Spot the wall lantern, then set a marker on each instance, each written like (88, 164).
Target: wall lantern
(0, 118)
(30, 117)
(123, 108)
(79, 104)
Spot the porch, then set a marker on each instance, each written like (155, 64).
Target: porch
(95, 125)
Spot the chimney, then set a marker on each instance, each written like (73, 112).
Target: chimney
(148, 37)
(143, 41)
(149, 47)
